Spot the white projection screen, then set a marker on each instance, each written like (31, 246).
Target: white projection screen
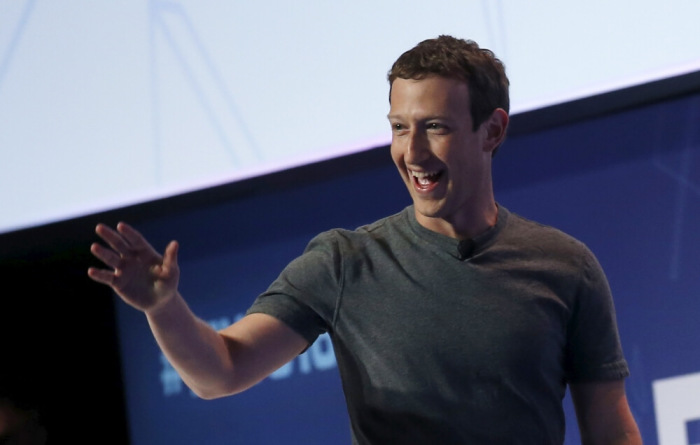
(105, 104)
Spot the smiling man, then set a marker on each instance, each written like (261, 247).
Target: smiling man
(443, 158)
(454, 321)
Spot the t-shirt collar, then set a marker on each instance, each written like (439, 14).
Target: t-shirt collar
(459, 249)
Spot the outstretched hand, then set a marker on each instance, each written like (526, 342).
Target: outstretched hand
(138, 273)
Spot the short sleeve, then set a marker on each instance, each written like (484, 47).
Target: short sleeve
(594, 351)
(304, 295)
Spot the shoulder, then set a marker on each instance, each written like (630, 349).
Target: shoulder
(547, 248)
(386, 228)
(533, 235)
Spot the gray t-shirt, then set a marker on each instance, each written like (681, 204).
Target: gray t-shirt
(442, 341)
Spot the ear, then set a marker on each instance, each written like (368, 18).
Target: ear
(495, 126)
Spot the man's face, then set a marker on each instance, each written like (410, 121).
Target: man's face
(444, 163)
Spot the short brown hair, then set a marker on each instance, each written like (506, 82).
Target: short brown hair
(447, 56)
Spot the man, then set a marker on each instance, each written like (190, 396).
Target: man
(453, 322)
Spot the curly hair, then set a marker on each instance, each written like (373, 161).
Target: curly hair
(447, 56)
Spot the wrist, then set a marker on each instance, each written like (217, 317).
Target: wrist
(164, 306)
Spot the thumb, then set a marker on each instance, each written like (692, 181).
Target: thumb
(170, 256)
(168, 266)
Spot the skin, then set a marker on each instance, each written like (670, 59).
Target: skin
(433, 136)
(213, 364)
(432, 133)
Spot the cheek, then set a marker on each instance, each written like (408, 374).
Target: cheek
(397, 155)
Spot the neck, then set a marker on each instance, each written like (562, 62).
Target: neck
(467, 224)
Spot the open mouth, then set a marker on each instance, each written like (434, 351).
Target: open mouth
(424, 180)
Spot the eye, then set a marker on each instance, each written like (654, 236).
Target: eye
(397, 127)
(437, 127)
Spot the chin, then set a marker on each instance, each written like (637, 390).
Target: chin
(432, 210)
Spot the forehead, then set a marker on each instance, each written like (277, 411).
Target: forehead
(431, 95)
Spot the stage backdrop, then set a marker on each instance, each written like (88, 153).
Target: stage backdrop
(628, 185)
(189, 94)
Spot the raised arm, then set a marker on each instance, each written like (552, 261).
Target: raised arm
(213, 364)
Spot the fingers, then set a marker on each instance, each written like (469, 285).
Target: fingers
(113, 238)
(121, 247)
(101, 276)
(132, 236)
(125, 240)
(110, 258)
(129, 247)
(107, 256)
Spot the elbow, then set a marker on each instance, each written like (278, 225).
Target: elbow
(208, 395)
(212, 391)
(218, 390)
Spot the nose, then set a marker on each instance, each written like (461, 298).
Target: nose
(417, 147)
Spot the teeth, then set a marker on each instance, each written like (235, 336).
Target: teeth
(424, 178)
(423, 175)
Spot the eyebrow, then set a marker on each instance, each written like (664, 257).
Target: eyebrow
(439, 117)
